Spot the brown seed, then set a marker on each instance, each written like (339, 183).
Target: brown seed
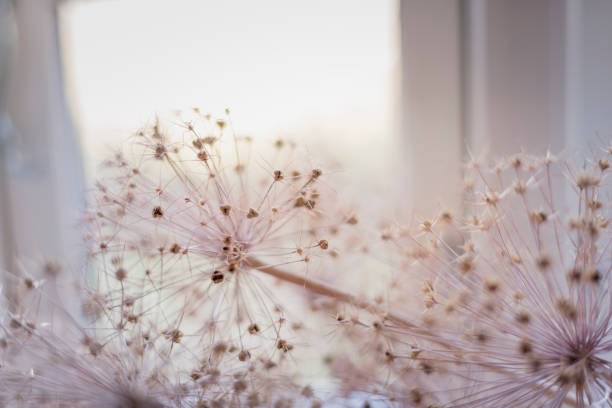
(525, 347)
(543, 261)
(567, 309)
(416, 396)
(465, 263)
(594, 276)
(253, 328)
(520, 187)
(160, 151)
(240, 386)
(244, 355)
(491, 285)
(121, 274)
(209, 140)
(574, 275)
(426, 367)
(535, 365)
(157, 212)
(323, 244)
(284, 346)
(539, 217)
(516, 162)
(217, 277)
(29, 283)
(482, 337)
(523, 317)
(252, 213)
(225, 209)
(310, 204)
(278, 175)
(174, 335)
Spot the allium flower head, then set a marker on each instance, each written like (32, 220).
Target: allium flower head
(517, 305)
(189, 217)
(68, 364)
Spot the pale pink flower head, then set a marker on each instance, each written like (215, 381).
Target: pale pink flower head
(192, 211)
(517, 297)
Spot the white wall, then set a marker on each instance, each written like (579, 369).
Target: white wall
(593, 71)
(431, 113)
(533, 75)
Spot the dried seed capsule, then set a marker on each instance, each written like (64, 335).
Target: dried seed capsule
(225, 209)
(217, 277)
(157, 212)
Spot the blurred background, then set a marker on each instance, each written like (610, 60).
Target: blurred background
(403, 91)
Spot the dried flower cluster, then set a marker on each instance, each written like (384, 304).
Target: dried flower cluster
(219, 271)
(516, 305)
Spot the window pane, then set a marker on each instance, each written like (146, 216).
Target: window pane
(315, 69)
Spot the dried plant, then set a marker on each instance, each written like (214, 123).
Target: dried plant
(221, 267)
(516, 297)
